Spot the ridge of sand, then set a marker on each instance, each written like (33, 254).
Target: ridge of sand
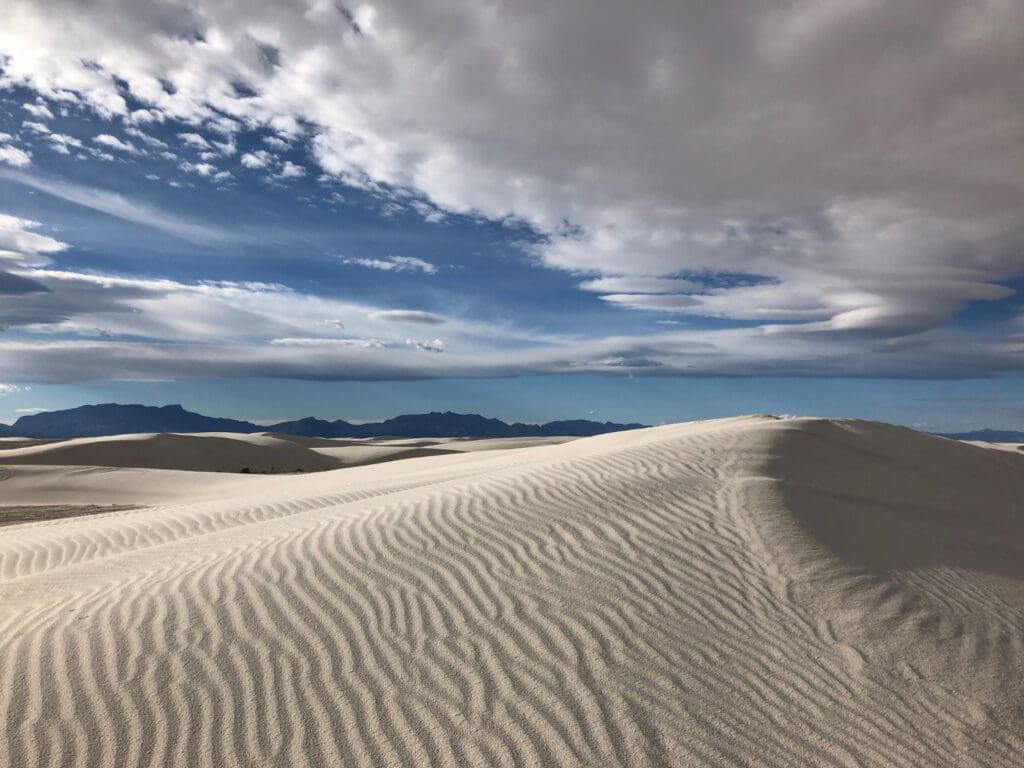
(746, 591)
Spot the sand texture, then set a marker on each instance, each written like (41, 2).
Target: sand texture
(742, 592)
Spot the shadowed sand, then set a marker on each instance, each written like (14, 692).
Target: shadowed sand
(743, 592)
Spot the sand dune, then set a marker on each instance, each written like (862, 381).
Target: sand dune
(261, 453)
(744, 592)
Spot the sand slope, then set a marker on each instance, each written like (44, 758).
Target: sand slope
(740, 592)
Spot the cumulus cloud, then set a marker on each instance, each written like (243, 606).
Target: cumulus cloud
(35, 127)
(257, 160)
(63, 144)
(202, 169)
(195, 140)
(290, 170)
(395, 264)
(837, 175)
(19, 158)
(38, 111)
(115, 143)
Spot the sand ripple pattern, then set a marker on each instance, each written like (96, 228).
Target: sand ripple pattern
(626, 600)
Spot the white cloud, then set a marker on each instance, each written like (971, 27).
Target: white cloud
(38, 111)
(395, 264)
(35, 127)
(20, 244)
(195, 140)
(202, 169)
(145, 138)
(143, 116)
(62, 143)
(258, 159)
(830, 171)
(115, 143)
(161, 328)
(9, 389)
(291, 171)
(19, 158)
(661, 302)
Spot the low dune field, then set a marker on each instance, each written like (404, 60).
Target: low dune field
(742, 592)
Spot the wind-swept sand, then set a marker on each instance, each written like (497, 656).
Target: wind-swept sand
(745, 592)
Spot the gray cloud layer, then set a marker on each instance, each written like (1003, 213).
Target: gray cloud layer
(860, 161)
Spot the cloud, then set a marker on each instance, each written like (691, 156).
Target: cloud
(82, 326)
(149, 141)
(38, 111)
(19, 158)
(317, 341)
(661, 302)
(115, 143)
(435, 345)
(114, 204)
(21, 246)
(9, 389)
(195, 140)
(202, 169)
(408, 316)
(859, 162)
(257, 159)
(621, 284)
(63, 144)
(290, 171)
(12, 284)
(395, 264)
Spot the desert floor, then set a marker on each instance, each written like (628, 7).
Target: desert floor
(741, 592)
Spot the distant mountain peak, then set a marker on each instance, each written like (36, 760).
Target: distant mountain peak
(116, 419)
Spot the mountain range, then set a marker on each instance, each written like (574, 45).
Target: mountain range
(116, 419)
(988, 436)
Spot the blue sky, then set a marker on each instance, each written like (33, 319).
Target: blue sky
(636, 215)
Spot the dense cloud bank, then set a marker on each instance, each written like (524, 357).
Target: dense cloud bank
(838, 179)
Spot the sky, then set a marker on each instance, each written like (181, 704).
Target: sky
(622, 211)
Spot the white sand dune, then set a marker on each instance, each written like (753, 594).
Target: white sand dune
(261, 453)
(743, 592)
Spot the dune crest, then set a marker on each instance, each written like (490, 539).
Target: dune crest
(747, 591)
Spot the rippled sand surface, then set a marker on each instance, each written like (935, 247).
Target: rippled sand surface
(743, 592)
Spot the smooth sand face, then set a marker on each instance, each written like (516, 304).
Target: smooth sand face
(740, 592)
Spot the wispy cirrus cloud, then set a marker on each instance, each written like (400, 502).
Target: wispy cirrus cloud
(119, 206)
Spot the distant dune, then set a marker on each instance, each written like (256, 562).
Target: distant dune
(232, 452)
(742, 592)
